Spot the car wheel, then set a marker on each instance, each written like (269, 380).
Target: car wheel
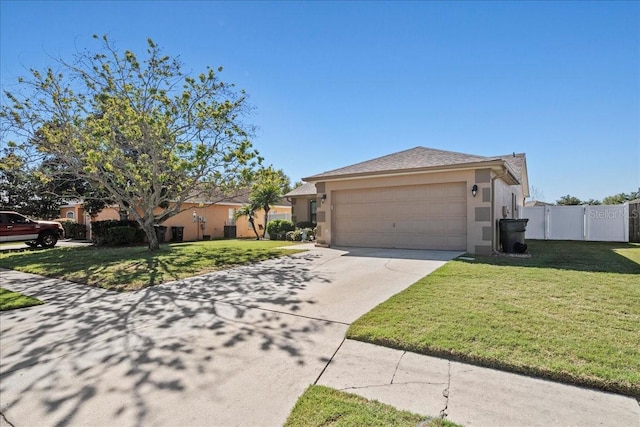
(48, 240)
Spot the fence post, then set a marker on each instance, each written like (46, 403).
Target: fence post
(625, 222)
(546, 222)
(586, 223)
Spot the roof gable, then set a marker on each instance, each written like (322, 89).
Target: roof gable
(306, 189)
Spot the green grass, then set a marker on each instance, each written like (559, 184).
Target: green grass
(570, 313)
(131, 268)
(10, 300)
(323, 406)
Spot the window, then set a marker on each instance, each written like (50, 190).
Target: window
(71, 215)
(313, 209)
(17, 219)
(231, 219)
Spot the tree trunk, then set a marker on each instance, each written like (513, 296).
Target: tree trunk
(152, 237)
(266, 219)
(253, 225)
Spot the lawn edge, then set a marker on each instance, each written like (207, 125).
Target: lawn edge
(124, 289)
(533, 372)
(33, 301)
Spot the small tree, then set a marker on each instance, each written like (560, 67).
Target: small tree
(536, 194)
(592, 202)
(568, 200)
(141, 130)
(249, 211)
(268, 190)
(618, 199)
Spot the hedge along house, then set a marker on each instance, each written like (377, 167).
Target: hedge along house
(420, 198)
(200, 219)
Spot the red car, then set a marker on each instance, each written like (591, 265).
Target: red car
(18, 228)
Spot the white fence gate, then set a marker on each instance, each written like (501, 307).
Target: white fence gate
(603, 223)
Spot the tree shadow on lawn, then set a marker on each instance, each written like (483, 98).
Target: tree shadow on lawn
(115, 354)
(600, 257)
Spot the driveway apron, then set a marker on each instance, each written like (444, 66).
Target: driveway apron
(235, 347)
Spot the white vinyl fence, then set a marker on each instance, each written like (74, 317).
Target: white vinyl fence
(604, 223)
(273, 216)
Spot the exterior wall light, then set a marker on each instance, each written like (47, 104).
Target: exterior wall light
(474, 190)
(324, 197)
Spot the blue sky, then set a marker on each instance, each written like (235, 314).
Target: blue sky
(335, 83)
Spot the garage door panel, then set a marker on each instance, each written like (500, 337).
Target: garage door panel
(456, 209)
(416, 217)
(457, 191)
(439, 209)
(456, 227)
(457, 242)
(406, 226)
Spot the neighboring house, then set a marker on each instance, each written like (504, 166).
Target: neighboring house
(420, 198)
(304, 203)
(200, 219)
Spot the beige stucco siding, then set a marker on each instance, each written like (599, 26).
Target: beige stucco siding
(300, 209)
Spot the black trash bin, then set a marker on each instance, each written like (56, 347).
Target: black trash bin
(512, 235)
(177, 234)
(161, 232)
(229, 231)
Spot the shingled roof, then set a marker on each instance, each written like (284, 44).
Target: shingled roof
(306, 189)
(517, 161)
(417, 158)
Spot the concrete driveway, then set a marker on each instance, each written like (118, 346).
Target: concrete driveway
(235, 347)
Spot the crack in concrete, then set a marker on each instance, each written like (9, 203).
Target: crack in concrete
(408, 273)
(445, 393)
(387, 385)
(395, 371)
(328, 362)
(6, 420)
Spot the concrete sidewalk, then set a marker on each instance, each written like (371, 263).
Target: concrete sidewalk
(468, 394)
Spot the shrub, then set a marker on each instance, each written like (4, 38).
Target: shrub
(122, 235)
(73, 230)
(278, 228)
(102, 236)
(298, 233)
(305, 224)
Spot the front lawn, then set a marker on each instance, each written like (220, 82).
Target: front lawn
(570, 313)
(134, 267)
(323, 406)
(10, 300)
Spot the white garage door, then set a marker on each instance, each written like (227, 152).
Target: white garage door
(430, 216)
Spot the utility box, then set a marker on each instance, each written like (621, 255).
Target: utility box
(512, 235)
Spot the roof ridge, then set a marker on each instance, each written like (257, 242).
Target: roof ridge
(399, 153)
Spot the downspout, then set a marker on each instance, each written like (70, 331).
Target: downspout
(493, 208)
